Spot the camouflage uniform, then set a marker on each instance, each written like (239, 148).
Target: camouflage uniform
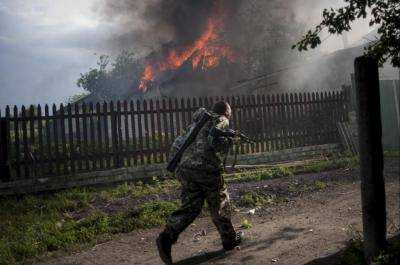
(200, 174)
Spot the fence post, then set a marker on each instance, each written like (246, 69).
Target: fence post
(4, 152)
(371, 156)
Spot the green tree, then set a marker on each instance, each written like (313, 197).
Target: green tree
(384, 14)
(112, 80)
(76, 97)
(93, 81)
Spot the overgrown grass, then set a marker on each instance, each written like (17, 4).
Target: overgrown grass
(67, 220)
(253, 199)
(140, 189)
(36, 224)
(319, 166)
(288, 171)
(276, 172)
(354, 255)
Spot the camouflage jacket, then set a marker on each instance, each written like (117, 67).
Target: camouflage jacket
(208, 151)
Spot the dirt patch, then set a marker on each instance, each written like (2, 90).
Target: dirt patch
(312, 222)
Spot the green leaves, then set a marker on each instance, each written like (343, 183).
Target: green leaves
(112, 78)
(385, 14)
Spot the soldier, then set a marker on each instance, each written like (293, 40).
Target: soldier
(200, 174)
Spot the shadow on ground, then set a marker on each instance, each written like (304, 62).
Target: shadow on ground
(286, 233)
(204, 257)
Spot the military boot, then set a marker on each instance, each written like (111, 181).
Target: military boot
(229, 245)
(164, 245)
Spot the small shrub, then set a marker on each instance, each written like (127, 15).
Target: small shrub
(252, 199)
(74, 199)
(282, 172)
(320, 185)
(96, 221)
(122, 223)
(246, 224)
(354, 254)
(6, 255)
(154, 213)
(382, 259)
(121, 191)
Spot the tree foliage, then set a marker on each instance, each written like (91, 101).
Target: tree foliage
(384, 14)
(93, 80)
(76, 97)
(112, 79)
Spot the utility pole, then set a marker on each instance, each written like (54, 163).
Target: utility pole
(371, 156)
(398, 121)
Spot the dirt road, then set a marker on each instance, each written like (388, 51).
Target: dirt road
(303, 228)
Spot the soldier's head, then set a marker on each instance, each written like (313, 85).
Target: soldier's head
(223, 108)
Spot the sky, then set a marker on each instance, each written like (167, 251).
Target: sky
(46, 44)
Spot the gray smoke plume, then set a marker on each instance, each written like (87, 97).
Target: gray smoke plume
(260, 32)
(151, 24)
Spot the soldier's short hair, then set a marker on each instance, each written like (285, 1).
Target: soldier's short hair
(220, 107)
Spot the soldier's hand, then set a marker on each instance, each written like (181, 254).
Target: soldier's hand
(236, 140)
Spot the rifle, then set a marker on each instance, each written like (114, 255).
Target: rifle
(232, 134)
(191, 136)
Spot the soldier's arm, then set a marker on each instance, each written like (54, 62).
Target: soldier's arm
(217, 142)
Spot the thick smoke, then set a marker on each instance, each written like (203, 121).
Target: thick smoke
(151, 24)
(261, 33)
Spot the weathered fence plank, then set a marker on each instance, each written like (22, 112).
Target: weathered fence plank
(85, 147)
(140, 131)
(100, 145)
(5, 147)
(165, 128)
(160, 156)
(107, 136)
(120, 155)
(40, 154)
(78, 153)
(126, 144)
(92, 139)
(16, 140)
(154, 153)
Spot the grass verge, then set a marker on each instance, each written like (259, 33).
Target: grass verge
(288, 171)
(34, 225)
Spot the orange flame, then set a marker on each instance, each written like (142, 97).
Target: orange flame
(203, 53)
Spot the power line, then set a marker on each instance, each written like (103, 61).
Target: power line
(266, 75)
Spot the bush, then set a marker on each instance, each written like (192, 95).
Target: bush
(252, 199)
(154, 213)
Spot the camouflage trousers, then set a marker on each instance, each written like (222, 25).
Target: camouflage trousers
(198, 187)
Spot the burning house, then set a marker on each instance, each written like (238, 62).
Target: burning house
(196, 48)
(204, 63)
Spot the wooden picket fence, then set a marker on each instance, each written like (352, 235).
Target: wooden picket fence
(52, 141)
